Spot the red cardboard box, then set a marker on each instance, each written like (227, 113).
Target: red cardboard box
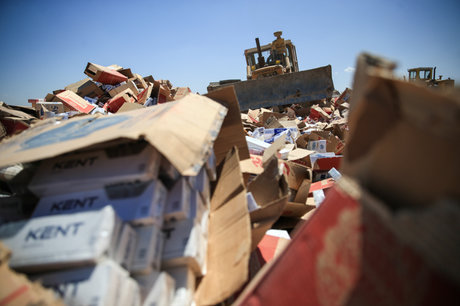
(104, 75)
(75, 101)
(356, 251)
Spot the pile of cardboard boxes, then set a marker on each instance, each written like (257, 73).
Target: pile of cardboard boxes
(168, 205)
(107, 90)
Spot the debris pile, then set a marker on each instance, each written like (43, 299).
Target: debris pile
(107, 90)
(183, 203)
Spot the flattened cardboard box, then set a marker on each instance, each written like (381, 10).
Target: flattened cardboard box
(166, 127)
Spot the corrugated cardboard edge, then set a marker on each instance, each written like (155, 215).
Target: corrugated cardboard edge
(180, 132)
(229, 237)
(232, 131)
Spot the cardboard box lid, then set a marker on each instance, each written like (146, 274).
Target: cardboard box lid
(232, 132)
(75, 101)
(271, 193)
(403, 139)
(229, 237)
(176, 129)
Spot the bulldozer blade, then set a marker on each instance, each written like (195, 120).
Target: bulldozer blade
(291, 88)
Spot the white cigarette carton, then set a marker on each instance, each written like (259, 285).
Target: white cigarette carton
(126, 246)
(201, 183)
(148, 250)
(211, 166)
(96, 169)
(185, 283)
(183, 245)
(94, 285)
(60, 241)
(178, 202)
(162, 292)
(140, 203)
(146, 282)
(130, 293)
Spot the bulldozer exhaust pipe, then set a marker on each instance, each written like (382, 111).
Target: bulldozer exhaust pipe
(261, 59)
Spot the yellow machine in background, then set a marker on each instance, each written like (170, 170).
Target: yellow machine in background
(278, 57)
(427, 75)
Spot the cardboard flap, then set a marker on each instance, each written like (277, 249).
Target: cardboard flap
(229, 237)
(271, 193)
(183, 135)
(232, 132)
(75, 101)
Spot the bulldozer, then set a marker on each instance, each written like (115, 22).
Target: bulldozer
(427, 76)
(274, 78)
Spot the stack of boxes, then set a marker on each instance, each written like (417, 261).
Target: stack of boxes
(116, 225)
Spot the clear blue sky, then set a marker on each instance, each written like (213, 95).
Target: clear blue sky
(46, 44)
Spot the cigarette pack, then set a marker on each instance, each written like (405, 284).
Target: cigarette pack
(178, 202)
(161, 291)
(95, 169)
(185, 283)
(185, 244)
(140, 203)
(125, 246)
(148, 250)
(101, 284)
(60, 241)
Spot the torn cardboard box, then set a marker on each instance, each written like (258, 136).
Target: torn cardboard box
(104, 75)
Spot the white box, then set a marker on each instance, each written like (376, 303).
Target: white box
(60, 241)
(96, 169)
(185, 283)
(126, 246)
(94, 285)
(184, 242)
(178, 202)
(130, 293)
(138, 203)
(148, 250)
(161, 292)
(211, 166)
(201, 183)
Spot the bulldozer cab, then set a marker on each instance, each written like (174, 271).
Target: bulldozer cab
(421, 74)
(271, 65)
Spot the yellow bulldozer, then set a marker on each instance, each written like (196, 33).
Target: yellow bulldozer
(427, 76)
(273, 77)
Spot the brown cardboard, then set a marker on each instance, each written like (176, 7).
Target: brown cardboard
(104, 75)
(166, 127)
(272, 123)
(229, 239)
(75, 101)
(16, 289)
(85, 88)
(139, 81)
(296, 174)
(144, 94)
(231, 133)
(271, 200)
(121, 88)
(296, 210)
(127, 73)
(303, 191)
(403, 139)
(181, 92)
(114, 104)
(126, 107)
